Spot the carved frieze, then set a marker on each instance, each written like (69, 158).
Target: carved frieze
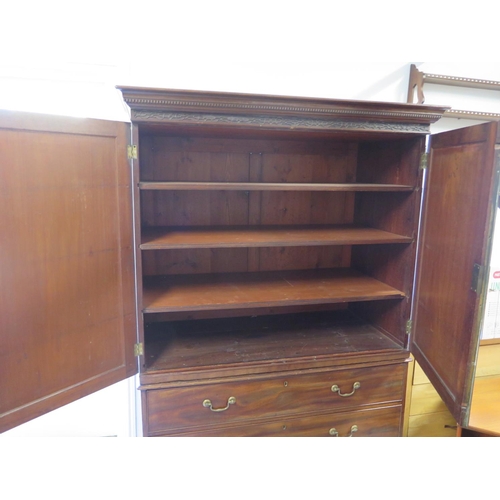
(284, 121)
(261, 111)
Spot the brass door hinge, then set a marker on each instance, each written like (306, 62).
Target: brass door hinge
(424, 161)
(409, 325)
(138, 349)
(132, 152)
(477, 278)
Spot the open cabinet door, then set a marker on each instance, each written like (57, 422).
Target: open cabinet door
(67, 300)
(460, 191)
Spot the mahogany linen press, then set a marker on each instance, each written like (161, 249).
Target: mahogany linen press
(267, 264)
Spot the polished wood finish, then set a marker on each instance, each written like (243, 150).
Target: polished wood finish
(459, 204)
(241, 260)
(260, 191)
(269, 186)
(187, 350)
(271, 112)
(67, 307)
(376, 422)
(264, 236)
(276, 208)
(241, 290)
(264, 398)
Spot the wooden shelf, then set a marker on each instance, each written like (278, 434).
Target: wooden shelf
(261, 289)
(182, 347)
(270, 186)
(158, 238)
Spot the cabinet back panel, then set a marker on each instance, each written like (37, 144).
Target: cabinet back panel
(282, 258)
(194, 261)
(227, 260)
(308, 168)
(290, 207)
(151, 142)
(239, 160)
(233, 208)
(194, 208)
(194, 166)
(227, 160)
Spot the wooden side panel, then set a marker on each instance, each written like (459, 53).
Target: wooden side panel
(67, 307)
(458, 218)
(395, 162)
(390, 162)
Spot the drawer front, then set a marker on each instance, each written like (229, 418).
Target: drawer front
(375, 422)
(226, 403)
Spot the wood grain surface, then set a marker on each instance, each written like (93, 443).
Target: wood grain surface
(262, 289)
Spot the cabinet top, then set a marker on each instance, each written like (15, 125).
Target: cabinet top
(251, 111)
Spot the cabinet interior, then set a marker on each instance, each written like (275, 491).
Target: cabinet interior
(257, 247)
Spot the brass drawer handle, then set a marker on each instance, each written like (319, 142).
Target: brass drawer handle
(354, 429)
(336, 388)
(208, 404)
(333, 432)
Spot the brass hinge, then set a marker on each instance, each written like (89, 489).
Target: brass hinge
(424, 161)
(132, 152)
(477, 278)
(138, 349)
(409, 325)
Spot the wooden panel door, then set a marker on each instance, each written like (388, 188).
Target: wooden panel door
(461, 189)
(67, 306)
